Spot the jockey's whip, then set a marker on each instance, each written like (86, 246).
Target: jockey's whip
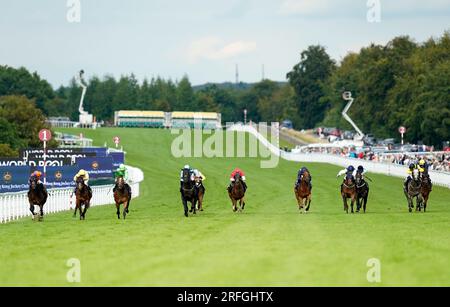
(369, 179)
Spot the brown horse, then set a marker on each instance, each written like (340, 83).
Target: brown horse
(37, 196)
(426, 189)
(237, 193)
(362, 192)
(200, 193)
(303, 192)
(348, 191)
(121, 196)
(83, 198)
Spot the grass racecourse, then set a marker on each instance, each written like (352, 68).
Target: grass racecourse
(269, 244)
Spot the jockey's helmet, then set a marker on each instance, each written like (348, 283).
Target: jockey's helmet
(422, 162)
(350, 168)
(122, 167)
(37, 174)
(360, 168)
(82, 172)
(412, 166)
(187, 166)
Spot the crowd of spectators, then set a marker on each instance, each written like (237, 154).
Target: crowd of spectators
(437, 161)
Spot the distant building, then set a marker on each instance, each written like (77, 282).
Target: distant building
(160, 119)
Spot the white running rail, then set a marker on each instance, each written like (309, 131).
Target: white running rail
(390, 169)
(14, 206)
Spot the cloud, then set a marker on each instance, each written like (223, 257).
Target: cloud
(213, 48)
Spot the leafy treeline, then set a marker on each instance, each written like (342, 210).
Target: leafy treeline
(401, 83)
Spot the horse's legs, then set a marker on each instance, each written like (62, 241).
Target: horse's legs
(32, 209)
(365, 203)
(344, 198)
(358, 203)
(125, 209)
(185, 206)
(234, 204)
(308, 200)
(118, 210)
(86, 205)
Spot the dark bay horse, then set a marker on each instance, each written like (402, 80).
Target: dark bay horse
(121, 196)
(37, 196)
(237, 193)
(200, 193)
(413, 190)
(303, 192)
(188, 193)
(348, 191)
(426, 189)
(83, 198)
(362, 192)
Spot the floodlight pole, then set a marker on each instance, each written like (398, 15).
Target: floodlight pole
(84, 87)
(348, 97)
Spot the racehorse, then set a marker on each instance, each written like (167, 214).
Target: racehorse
(188, 192)
(303, 192)
(83, 198)
(121, 196)
(348, 191)
(237, 193)
(362, 192)
(426, 189)
(37, 196)
(413, 190)
(201, 193)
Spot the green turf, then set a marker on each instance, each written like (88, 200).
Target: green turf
(270, 244)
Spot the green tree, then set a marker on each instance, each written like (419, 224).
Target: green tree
(307, 78)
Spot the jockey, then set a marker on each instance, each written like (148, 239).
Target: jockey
(233, 173)
(350, 170)
(198, 174)
(300, 174)
(122, 171)
(423, 168)
(361, 170)
(411, 168)
(191, 174)
(37, 175)
(83, 174)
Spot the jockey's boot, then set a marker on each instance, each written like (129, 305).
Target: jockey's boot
(310, 186)
(115, 188)
(245, 185)
(230, 187)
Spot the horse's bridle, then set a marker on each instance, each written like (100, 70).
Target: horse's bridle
(348, 186)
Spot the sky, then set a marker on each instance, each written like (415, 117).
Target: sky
(203, 39)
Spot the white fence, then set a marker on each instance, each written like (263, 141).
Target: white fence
(390, 169)
(15, 205)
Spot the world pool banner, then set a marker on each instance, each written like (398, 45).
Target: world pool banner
(97, 167)
(64, 152)
(35, 162)
(15, 178)
(118, 158)
(58, 177)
